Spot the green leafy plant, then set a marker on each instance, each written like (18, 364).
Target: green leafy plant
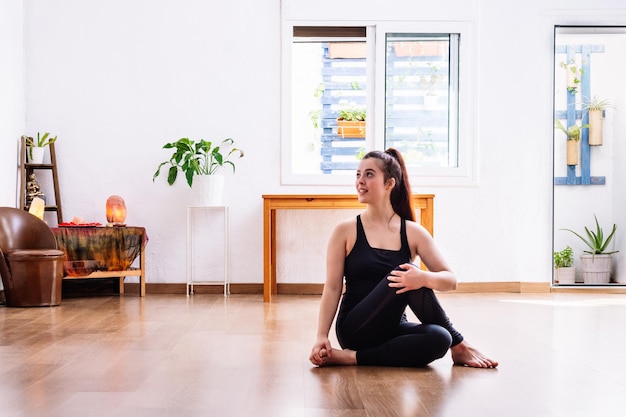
(352, 114)
(572, 132)
(595, 240)
(198, 158)
(564, 258)
(41, 141)
(578, 72)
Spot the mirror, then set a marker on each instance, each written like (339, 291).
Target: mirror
(589, 151)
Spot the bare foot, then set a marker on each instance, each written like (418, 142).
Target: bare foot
(466, 355)
(338, 357)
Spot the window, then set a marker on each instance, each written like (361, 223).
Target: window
(348, 90)
(420, 113)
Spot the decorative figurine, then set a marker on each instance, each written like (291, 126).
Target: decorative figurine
(33, 189)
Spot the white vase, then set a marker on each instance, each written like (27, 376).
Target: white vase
(596, 268)
(35, 154)
(565, 275)
(209, 190)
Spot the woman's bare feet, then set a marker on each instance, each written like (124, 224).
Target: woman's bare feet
(466, 355)
(338, 357)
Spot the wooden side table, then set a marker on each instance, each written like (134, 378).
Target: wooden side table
(273, 202)
(103, 252)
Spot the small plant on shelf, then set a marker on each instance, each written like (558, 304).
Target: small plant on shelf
(352, 114)
(41, 142)
(351, 121)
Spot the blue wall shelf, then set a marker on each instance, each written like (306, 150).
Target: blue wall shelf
(571, 114)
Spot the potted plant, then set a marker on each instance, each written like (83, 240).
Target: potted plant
(37, 148)
(564, 271)
(573, 75)
(573, 137)
(595, 107)
(351, 122)
(596, 262)
(202, 160)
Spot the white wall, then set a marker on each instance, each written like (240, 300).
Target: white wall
(12, 96)
(116, 80)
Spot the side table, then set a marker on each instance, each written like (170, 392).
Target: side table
(103, 252)
(213, 218)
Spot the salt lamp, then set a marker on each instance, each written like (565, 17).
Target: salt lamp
(116, 211)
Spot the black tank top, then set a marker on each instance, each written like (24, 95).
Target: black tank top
(365, 266)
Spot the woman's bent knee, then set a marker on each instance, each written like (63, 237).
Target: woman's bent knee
(440, 340)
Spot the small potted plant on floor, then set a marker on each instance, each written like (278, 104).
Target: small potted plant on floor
(596, 262)
(564, 271)
(201, 160)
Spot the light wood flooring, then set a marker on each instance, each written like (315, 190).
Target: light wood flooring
(204, 355)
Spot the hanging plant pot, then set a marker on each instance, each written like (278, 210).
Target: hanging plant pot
(351, 129)
(572, 151)
(595, 127)
(596, 268)
(573, 75)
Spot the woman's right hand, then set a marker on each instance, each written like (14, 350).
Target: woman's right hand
(321, 351)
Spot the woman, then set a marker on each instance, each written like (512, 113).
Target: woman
(374, 253)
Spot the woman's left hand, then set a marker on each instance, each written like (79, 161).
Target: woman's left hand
(409, 277)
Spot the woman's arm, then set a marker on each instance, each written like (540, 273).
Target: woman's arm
(438, 277)
(333, 287)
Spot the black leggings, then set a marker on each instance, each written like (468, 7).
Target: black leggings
(379, 332)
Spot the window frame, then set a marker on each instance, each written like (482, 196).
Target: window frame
(464, 174)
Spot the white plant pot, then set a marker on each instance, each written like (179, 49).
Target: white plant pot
(209, 190)
(596, 268)
(37, 154)
(565, 275)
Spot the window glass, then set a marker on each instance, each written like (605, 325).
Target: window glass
(328, 96)
(417, 95)
(353, 89)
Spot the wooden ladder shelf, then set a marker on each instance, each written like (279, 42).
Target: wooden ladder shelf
(27, 168)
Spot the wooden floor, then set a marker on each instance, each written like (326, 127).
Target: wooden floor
(204, 355)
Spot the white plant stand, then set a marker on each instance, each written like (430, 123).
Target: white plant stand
(208, 246)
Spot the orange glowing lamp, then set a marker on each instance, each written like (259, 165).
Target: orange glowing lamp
(116, 211)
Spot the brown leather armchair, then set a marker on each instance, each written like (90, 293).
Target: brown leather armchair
(31, 266)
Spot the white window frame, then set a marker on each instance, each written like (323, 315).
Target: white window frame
(465, 174)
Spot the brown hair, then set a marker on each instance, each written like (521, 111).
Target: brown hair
(393, 166)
